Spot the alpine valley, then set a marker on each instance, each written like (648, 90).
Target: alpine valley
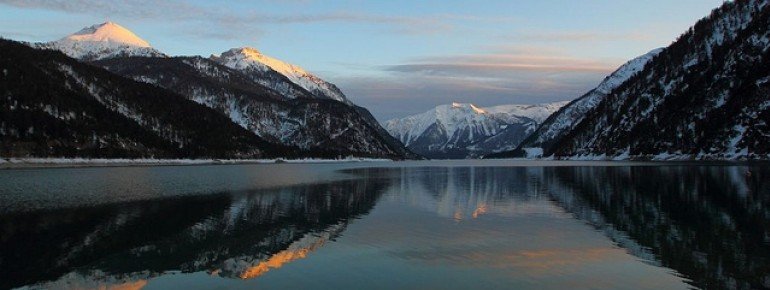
(105, 92)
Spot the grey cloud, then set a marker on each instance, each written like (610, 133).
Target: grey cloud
(522, 75)
(218, 16)
(497, 63)
(135, 9)
(578, 36)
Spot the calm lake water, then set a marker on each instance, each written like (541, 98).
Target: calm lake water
(412, 225)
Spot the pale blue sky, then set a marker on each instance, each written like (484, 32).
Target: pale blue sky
(396, 57)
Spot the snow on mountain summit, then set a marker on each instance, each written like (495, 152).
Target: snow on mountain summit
(247, 58)
(101, 41)
(108, 32)
(472, 107)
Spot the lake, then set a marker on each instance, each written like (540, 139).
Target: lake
(393, 225)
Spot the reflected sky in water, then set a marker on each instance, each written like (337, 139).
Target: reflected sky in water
(334, 226)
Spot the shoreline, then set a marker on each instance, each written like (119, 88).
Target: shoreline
(21, 163)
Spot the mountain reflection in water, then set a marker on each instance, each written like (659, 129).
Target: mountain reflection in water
(709, 224)
(234, 236)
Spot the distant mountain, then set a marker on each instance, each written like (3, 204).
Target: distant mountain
(53, 105)
(705, 96)
(102, 41)
(279, 102)
(465, 131)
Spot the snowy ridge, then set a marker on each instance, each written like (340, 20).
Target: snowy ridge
(106, 40)
(247, 59)
(460, 126)
(563, 120)
(52, 162)
(539, 112)
(626, 71)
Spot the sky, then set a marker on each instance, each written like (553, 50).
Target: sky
(396, 57)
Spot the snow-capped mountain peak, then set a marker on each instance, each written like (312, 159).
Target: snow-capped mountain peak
(101, 41)
(248, 58)
(107, 32)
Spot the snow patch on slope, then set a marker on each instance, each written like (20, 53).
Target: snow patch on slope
(246, 58)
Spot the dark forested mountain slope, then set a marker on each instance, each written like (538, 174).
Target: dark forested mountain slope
(52, 105)
(312, 124)
(705, 96)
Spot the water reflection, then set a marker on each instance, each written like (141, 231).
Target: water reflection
(438, 227)
(228, 235)
(711, 224)
(468, 192)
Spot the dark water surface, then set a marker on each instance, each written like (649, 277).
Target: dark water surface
(415, 225)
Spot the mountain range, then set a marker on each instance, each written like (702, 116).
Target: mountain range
(105, 92)
(281, 108)
(460, 130)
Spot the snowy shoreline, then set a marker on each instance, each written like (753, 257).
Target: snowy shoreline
(659, 157)
(738, 156)
(12, 163)
(8, 163)
(536, 153)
